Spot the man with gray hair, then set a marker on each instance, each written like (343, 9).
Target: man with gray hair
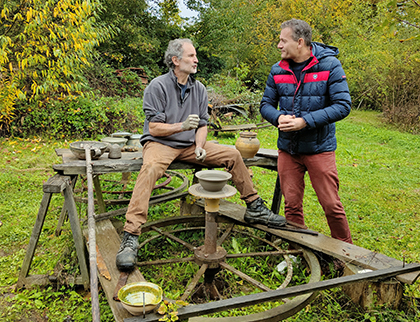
(305, 94)
(175, 128)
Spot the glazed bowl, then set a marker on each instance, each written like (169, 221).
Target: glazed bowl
(96, 149)
(131, 297)
(213, 180)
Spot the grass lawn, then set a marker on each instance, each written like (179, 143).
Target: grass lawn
(379, 171)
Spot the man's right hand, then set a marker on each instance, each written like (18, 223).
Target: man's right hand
(190, 123)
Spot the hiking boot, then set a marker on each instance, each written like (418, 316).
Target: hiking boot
(127, 254)
(258, 213)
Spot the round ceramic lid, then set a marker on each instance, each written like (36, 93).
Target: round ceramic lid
(135, 136)
(121, 134)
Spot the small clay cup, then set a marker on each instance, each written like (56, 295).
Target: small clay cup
(114, 152)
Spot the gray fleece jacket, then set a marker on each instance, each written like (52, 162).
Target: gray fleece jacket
(162, 103)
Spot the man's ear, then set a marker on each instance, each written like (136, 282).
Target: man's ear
(301, 42)
(175, 60)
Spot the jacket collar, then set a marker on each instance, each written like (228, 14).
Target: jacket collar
(284, 63)
(190, 82)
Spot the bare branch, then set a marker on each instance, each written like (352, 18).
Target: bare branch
(408, 23)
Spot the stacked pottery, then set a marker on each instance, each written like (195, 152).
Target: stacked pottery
(247, 144)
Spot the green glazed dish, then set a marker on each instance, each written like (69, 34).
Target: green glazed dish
(131, 297)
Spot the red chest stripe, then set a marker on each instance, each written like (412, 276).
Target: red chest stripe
(316, 77)
(284, 79)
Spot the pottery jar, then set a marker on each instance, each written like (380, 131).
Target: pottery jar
(247, 144)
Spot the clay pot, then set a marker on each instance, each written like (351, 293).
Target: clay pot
(247, 144)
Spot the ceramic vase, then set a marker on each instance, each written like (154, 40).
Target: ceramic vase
(247, 144)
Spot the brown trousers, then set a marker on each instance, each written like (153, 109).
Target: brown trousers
(322, 171)
(157, 158)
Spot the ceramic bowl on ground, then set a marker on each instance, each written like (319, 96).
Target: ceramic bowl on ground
(131, 297)
(96, 149)
(213, 180)
(115, 140)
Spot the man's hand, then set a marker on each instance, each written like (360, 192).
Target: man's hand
(190, 123)
(289, 123)
(200, 154)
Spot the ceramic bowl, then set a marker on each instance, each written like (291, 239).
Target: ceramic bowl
(131, 297)
(134, 140)
(115, 140)
(213, 180)
(97, 149)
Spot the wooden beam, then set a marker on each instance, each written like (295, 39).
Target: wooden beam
(108, 242)
(248, 300)
(346, 252)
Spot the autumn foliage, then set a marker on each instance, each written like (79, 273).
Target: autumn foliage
(58, 49)
(44, 48)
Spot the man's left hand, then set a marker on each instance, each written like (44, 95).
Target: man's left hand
(290, 124)
(200, 154)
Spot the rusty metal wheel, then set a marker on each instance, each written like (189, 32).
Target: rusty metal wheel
(120, 188)
(243, 264)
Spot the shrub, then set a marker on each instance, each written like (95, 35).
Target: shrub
(402, 104)
(79, 118)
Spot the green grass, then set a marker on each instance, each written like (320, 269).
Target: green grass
(379, 171)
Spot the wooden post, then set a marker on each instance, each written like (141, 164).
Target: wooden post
(374, 292)
(92, 240)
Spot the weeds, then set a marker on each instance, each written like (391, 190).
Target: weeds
(379, 172)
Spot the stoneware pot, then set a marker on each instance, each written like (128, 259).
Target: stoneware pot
(115, 140)
(247, 144)
(134, 140)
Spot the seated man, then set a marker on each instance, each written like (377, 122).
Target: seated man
(175, 105)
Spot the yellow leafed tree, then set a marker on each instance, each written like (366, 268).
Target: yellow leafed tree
(44, 45)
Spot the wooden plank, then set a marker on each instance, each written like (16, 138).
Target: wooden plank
(239, 127)
(190, 311)
(108, 242)
(344, 251)
(132, 162)
(56, 184)
(268, 153)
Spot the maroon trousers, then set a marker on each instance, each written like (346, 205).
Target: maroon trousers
(322, 171)
(157, 158)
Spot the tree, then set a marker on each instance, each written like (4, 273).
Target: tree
(44, 47)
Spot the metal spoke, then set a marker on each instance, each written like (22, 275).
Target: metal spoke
(178, 240)
(194, 282)
(257, 254)
(245, 277)
(225, 234)
(166, 261)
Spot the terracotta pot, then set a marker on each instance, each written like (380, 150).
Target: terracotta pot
(247, 144)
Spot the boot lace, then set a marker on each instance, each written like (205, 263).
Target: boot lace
(129, 241)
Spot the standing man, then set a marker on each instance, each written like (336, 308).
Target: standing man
(305, 94)
(175, 105)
